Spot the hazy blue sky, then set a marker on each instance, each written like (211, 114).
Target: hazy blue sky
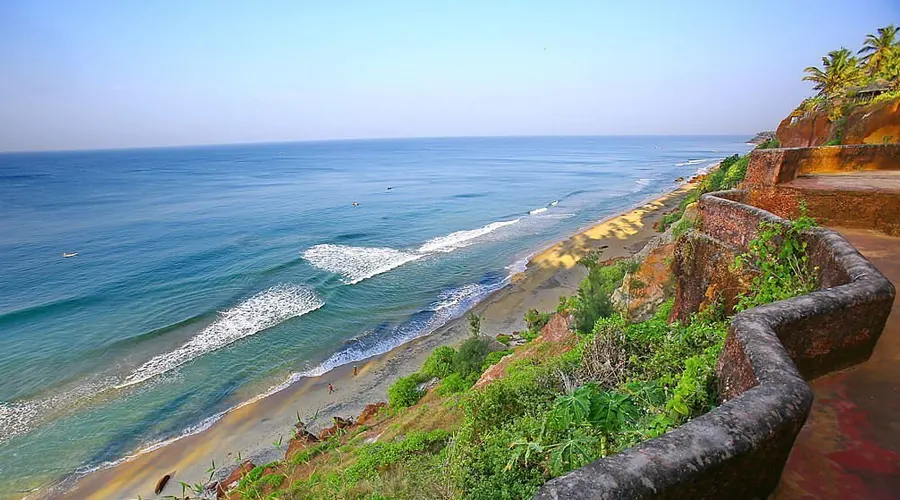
(95, 74)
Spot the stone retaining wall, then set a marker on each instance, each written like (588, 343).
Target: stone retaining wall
(873, 204)
(739, 449)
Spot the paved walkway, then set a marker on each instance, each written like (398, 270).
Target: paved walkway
(850, 445)
(877, 180)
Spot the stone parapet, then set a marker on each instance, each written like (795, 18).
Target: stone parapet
(738, 450)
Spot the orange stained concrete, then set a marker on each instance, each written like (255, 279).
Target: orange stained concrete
(878, 180)
(850, 445)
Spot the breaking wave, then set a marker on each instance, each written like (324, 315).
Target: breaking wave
(641, 184)
(261, 311)
(449, 305)
(537, 211)
(356, 263)
(460, 239)
(18, 417)
(691, 162)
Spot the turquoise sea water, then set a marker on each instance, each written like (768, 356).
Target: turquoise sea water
(206, 276)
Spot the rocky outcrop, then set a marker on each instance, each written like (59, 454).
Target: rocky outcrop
(645, 289)
(234, 478)
(339, 424)
(872, 124)
(804, 130)
(875, 124)
(370, 413)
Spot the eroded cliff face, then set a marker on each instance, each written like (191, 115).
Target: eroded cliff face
(876, 124)
(873, 124)
(798, 131)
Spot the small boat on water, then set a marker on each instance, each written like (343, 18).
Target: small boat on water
(69, 254)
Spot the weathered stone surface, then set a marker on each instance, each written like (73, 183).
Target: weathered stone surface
(370, 413)
(804, 130)
(645, 289)
(704, 267)
(232, 480)
(739, 449)
(873, 124)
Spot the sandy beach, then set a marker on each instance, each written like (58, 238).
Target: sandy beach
(254, 429)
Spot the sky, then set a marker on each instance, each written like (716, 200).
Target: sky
(79, 74)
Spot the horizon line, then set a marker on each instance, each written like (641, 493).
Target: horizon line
(353, 139)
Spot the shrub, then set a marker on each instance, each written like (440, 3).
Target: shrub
(736, 173)
(440, 362)
(405, 391)
(684, 225)
(536, 320)
(694, 393)
(595, 290)
(377, 456)
(503, 339)
(778, 258)
(670, 218)
(470, 357)
(474, 324)
(493, 358)
(769, 144)
(454, 383)
(604, 356)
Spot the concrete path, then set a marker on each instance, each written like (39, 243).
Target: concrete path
(850, 445)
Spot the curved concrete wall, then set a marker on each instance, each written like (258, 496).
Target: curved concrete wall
(739, 449)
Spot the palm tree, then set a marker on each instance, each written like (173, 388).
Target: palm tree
(878, 48)
(840, 71)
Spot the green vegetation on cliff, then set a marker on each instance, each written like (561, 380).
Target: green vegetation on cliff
(728, 175)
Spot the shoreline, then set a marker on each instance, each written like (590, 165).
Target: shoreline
(252, 429)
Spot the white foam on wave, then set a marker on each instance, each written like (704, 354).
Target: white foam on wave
(706, 168)
(641, 184)
(261, 311)
(450, 304)
(537, 211)
(356, 263)
(460, 239)
(692, 162)
(19, 417)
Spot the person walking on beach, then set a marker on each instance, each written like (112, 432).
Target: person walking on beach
(355, 370)
(330, 388)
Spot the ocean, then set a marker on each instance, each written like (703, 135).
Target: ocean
(206, 276)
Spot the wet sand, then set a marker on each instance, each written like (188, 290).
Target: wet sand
(253, 428)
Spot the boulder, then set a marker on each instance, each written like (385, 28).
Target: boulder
(232, 480)
(370, 413)
(649, 286)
